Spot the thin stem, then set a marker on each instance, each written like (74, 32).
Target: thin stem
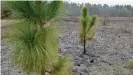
(84, 45)
(42, 72)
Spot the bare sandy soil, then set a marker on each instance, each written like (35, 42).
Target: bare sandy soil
(111, 47)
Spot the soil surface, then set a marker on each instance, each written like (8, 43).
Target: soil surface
(107, 52)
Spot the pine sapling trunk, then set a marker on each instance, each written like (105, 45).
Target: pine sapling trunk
(84, 45)
(41, 26)
(42, 72)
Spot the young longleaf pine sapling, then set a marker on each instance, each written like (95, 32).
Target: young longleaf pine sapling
(35, 46)
(87, 27)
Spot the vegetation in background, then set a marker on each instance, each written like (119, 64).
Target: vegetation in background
(87, 24)
(100, 10)
(34, 38)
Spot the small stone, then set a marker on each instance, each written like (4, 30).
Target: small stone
(19, 72)
(78, 64)
(47, 73)
(92, 61)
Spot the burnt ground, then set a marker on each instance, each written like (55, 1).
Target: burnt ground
(107, 52)
(111, 47)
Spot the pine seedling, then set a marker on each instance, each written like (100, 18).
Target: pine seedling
(35, 48)
(87, 27)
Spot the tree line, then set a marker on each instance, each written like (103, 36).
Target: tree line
(73, 9)
(99, 9)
